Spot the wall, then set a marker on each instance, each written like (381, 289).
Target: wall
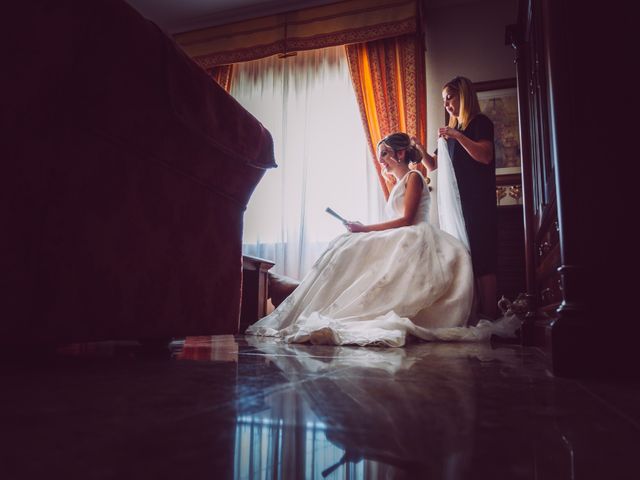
(464, 38)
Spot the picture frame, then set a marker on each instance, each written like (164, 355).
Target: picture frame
(499, 101)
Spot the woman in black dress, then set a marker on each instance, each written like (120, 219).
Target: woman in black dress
(469, 138)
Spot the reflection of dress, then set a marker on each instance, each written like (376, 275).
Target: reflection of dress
(408, 413)
(374, 287)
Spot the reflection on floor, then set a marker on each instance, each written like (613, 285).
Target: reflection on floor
(248, 408)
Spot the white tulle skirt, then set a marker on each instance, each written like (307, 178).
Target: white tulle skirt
(375, 288)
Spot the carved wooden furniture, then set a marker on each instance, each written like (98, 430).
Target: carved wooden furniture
(255, 290)
(579, 251)
(542, 251)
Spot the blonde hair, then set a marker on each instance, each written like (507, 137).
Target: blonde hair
(469, 105)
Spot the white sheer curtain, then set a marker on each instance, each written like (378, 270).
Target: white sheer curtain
(307, 103)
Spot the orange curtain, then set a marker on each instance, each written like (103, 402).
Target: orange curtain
(223, 74)
(389, 80)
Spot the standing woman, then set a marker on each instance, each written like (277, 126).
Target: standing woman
(469, 138)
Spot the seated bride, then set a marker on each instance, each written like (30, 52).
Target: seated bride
(377, 283)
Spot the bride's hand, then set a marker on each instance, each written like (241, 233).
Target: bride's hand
(355, 227)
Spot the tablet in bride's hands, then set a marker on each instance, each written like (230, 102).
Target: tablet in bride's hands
(333, 213)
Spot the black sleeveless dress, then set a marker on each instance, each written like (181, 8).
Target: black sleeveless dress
(477, 185)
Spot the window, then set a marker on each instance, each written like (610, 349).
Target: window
(307, 103)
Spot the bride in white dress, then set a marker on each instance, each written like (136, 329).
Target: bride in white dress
(376, 283)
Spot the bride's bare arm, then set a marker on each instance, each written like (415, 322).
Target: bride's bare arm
(412, 196)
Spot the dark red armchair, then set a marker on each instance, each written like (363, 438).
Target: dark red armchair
(126, 172)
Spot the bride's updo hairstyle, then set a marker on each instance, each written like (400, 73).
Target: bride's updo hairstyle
(402, 141)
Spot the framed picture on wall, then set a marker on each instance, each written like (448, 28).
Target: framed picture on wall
(499, 101)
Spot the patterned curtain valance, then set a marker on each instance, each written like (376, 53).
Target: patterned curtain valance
(346, 22)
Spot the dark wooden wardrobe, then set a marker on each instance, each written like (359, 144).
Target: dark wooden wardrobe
(578, 242)
(542, 245)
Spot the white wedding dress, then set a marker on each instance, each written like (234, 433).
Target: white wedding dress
(374, 288)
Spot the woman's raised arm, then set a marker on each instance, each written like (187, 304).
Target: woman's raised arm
(430, 162)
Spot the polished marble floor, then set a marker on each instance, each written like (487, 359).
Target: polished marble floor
(248, 408)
